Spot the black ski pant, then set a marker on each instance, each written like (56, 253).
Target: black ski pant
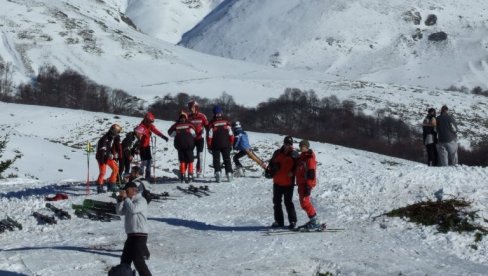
(185, 155)
(135, 250)
(431, 154)
(124, 164)
(238, 156)
(285, 192)
(225, 152)
(199, 144)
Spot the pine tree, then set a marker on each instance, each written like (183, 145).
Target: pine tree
(7, 163)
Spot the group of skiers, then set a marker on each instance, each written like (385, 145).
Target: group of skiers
(440, 138)
(287, 167)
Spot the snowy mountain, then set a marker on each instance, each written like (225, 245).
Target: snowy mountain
(371, 40)
(167, 19)
(225, 233)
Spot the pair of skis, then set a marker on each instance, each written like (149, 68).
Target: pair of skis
(9, 224)
(96, 210)
(197, 191)
(46, 219)
(301, 230)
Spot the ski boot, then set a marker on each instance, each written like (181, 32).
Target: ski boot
(312, 225)
(230, 176)
(100, 189)
(277, 225)
(292, 225)
(182, 177)
(240, 172)
(217, 177)
(111, 187)
(189, 179)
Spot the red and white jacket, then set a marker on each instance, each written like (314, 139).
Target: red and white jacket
(199, 120)
(184, 134)
(219, 134)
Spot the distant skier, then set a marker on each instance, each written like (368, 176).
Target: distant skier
(184, 133)
(306, 175)
(447, 146)
(145, 144)
(199, 120)
(430, 137)
(130, 147)
(241, 144)
(132, 205)
(220, 139)
(107, 149)
(281, 167)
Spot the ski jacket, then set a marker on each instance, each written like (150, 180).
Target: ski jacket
(130, 144)
(446, 128)
(429, 134)
(219, 135)
(135, 212)
(282, 164)
(199, 120)
(108, 147)
(241, 141)
(306, 170)
(184, 134)
(146, 137)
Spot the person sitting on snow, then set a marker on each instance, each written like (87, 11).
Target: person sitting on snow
(241, 144)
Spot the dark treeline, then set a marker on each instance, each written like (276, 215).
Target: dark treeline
(298, 113)
(70, 89)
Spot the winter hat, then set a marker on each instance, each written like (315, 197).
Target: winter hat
(217, 110)
(444, 108)
(236, 126)
(288, 140)
(305, 143)
(183, 115)
(130, 184)
(431, 110)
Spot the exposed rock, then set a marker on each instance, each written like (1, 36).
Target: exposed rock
(439, 36)
(431, 20)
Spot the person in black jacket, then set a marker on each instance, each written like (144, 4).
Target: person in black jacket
(107, 151)
(130, 148)
(430, 137)
(184, 133)
(447, 135)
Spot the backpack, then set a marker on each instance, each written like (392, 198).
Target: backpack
(121, 270)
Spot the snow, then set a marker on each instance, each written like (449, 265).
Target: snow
(222, 234)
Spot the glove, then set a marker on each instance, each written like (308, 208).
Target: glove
(165, 138)
(307, 190)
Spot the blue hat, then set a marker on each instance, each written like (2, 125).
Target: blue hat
(217, 110)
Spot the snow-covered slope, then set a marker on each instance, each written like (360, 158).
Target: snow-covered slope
(367, 39)
(168, 19)
(224, 233)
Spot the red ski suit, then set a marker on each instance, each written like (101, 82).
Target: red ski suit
(306, 180)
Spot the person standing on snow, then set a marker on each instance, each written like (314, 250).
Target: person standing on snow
(447, 135)
(281, 167)
(199, 120)
(145, 145)
(220, 139)
(241, 144)
(107, 151)
(184, 133)
(130, 147)
(132, 205)
(430, 137)
(306, 174)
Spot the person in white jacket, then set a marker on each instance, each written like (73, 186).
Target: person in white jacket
(132, 205)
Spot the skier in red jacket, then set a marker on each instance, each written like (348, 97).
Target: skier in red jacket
(145, 143)
(199, 120)
(184, 133)
(306, 177)
(220, 139)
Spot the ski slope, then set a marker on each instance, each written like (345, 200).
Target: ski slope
(223, 234)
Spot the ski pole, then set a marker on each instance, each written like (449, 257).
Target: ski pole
(153, 148)
(204, 157)
(89, 149)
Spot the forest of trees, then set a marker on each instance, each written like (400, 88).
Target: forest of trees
(298, 113)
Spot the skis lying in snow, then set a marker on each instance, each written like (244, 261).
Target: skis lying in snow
(9, 224)
(196, 191)
(162, 196)
(62, 214)
(94, 213)
(107, 207)
(43, 219)
(283, 231)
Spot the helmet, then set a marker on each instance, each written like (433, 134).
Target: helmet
(192, 104)
(288, 140)
(236, 125)
(115, 129)
(183, 115)
(149, 117)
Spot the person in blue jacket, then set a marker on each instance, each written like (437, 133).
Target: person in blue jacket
(241, 144)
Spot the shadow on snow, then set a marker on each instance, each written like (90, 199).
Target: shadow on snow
(201, 226)
(99, 251)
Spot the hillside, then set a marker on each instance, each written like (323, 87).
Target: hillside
(370, 40)
(224, 233)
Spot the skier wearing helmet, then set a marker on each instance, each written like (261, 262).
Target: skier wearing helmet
(145, 144)
(130, 147)
(241, 144)
(220, 139)
(107, 154)
(199, 120)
